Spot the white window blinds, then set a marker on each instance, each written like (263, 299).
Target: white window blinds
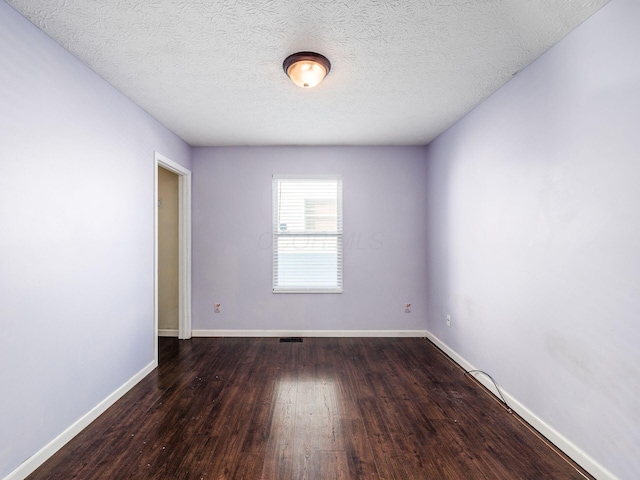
(307, 234)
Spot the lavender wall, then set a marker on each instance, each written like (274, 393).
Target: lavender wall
(76, 249)
(534, 222)
(384, 232)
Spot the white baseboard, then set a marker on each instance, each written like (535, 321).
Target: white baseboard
(309, 333)
(564, 444)
(30, 464)
(167, 332)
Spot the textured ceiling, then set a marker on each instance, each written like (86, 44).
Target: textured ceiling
(402, 71)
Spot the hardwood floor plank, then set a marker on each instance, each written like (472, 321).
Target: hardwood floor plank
(248, 466)
(261, 416)
(334, 465)
(280, 441)
(360, 455)
(388, 458)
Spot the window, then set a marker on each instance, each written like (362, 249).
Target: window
(307, 234)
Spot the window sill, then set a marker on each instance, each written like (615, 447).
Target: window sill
(308, 290)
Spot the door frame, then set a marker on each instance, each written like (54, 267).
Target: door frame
(184, 246)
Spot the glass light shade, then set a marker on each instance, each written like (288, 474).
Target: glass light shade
(306, 69)
(306, 74)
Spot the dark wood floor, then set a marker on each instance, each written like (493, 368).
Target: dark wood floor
(256, 408)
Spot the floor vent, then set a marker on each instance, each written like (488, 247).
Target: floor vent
(291, 339)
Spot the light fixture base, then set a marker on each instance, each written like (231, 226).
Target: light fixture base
(306, 69)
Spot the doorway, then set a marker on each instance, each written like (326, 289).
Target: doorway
(167, 172)
(168, 261)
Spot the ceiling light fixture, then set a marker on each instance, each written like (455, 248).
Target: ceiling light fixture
(306, 69)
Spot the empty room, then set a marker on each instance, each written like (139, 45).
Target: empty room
(320, 240)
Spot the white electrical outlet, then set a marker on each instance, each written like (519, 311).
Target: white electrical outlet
(407, 308)
(216, 307)
(448, 320)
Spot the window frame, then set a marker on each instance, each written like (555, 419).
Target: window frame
(338, 235)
